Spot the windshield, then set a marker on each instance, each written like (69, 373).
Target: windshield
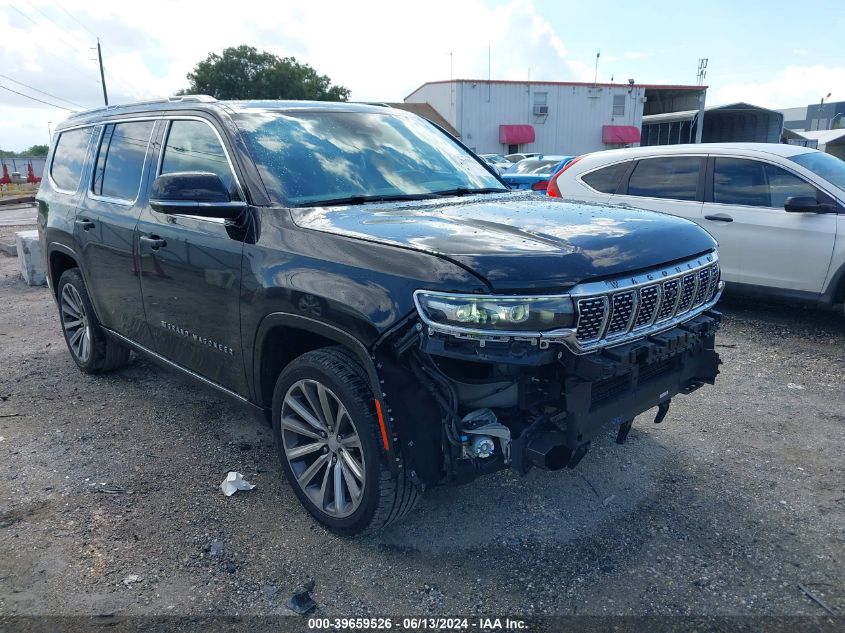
(823, 165)
(310, 157)
(534, 166)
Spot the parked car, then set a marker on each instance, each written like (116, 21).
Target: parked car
(498, 161)
(534, 173)
(515, 158)
(776, 210)
(364, 281)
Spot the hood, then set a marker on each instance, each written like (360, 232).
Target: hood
(520, 241)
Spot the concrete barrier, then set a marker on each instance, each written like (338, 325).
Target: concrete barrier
(30, 258)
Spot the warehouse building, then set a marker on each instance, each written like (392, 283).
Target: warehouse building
(505, 117)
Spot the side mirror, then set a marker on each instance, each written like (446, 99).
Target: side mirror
(807, 204)
(194, 193)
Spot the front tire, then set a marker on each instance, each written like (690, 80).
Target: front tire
(328, 438)
(89, 345)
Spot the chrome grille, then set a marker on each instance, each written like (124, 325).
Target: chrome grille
(715, 276)
(591, 313)
(687, 290)
(608, 311)
(703, 286)
(670, 300)
(622, 311)
(649, 296)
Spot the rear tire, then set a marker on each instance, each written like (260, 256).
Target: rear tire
(89, 345)
(329, 443)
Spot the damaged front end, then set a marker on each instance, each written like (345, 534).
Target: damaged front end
(532, 380)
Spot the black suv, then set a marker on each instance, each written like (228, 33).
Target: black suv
(365, 281)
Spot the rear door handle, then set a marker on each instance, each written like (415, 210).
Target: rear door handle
(84, 224)
(721, 217)
(154, 241)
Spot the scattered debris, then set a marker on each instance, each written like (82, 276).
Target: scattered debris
(230, 566)
(812, 596)
(608, 500)
(216, 548)
(235, 481)
(132, 579)
(792, 385)
(2, 438)
(113, 490)
(9, 415)
(270, 591)
(301, 601)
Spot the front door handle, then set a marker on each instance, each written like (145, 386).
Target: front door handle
(154, 241)
(720, 217)
(84, 224)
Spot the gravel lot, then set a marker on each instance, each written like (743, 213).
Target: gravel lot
(725, 508)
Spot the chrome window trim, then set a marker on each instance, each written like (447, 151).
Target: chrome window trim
(53, 185)
(124, 202)
(170, 120)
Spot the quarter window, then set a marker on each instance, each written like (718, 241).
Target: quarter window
(194, 146)
(673, 177)
(69, 158)
(120, 160)
(606, 179)
(754, 183)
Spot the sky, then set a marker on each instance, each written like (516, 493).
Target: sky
(773, 53)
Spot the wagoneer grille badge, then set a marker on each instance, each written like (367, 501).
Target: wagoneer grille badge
(632, 308)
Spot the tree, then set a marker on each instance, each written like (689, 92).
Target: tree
(247, 73)
(37, 150)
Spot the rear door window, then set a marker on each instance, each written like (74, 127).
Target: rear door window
(748, 182)
(606, 179)
(120, 160)
(674, 177)
(194, 146)
(69, 158)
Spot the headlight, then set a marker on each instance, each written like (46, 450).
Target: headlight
(470, 313)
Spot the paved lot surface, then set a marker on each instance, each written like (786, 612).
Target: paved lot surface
(725, 508)
(18, 214)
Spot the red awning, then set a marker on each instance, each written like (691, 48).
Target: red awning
(619, 134)
(517, 134)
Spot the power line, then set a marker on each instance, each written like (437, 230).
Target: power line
(73, 17)
(47, 94)
(60, 39)
(39, 100)
(57, 25)
(48, 52)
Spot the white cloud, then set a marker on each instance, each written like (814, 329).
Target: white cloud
(796, 85)
(381, 49)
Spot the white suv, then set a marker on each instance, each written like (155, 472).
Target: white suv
(777, 211)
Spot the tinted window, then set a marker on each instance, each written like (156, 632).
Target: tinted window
(606, 179)
(308, 157)
(784, 184)
(673, 177)
(194, 146)
(120, 159)
(69, 158)
(751, 182)
(824, 165)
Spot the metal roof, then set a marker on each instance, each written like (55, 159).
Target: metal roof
(561, 83)
(689, 115)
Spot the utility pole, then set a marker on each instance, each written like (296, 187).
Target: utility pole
(102, 72)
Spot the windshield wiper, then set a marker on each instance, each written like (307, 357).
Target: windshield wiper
(350, 200)
(464, 191)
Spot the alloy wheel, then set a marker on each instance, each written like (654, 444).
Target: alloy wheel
(323, 448)
(75, 323)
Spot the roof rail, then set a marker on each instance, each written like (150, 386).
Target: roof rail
(200, 98)
(173, 99)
